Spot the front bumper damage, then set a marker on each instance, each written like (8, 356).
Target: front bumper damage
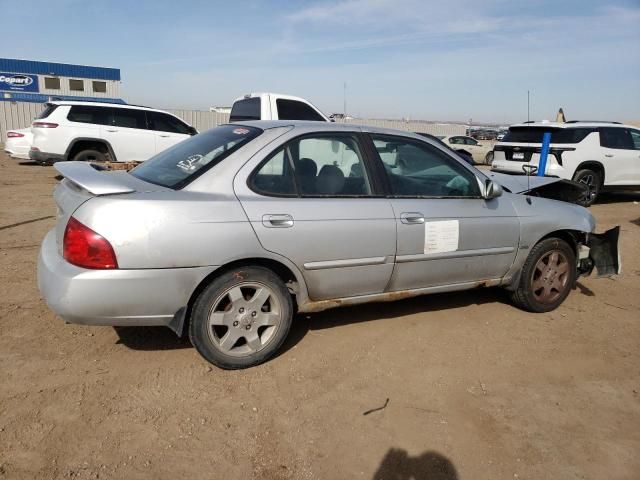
(600, 251)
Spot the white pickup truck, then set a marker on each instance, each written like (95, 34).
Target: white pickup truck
(273, 106)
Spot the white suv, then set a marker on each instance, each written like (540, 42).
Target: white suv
(601, 155)
(90, 131)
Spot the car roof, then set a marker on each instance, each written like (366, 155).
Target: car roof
(104, 104)
(317, 126)
(572, 124)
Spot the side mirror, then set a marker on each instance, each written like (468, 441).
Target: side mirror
(192, 131)
(491, 190)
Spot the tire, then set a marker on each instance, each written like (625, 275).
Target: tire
(593, 181)
(90, 156)
(488, 158)
(241, 318)
(555, 277)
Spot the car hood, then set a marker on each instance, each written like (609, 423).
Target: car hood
(548, 187)
(521, 183)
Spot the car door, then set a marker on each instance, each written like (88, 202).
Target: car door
(620, 158)
(128, 135)
(167, 129)
(312, 201)
(447, 233)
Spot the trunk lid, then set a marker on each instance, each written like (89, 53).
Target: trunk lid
(84, 181)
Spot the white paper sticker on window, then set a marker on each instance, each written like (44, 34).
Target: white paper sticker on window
(441, 236)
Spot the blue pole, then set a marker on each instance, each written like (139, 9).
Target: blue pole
(544, 153)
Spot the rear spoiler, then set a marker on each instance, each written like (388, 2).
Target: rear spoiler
(90, 178)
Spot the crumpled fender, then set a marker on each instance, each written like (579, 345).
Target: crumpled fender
(604, 252)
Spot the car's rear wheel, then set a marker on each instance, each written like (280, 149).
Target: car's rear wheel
(592, 181)
(90, 156)
(548, 276)
(241, 318)
(488, 158)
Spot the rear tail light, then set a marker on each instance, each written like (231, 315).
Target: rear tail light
(87, 249)
(44, 125)
(14, 135)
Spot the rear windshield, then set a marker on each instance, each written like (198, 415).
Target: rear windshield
(244, 110)
(48, 110)
(178, 165)
(534, 134)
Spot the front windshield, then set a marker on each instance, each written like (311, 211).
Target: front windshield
(178, 165)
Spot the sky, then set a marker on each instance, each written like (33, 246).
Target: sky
(419, 59)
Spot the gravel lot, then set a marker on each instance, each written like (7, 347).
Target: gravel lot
(476, 389)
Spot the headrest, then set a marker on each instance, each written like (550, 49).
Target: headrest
(330, 180)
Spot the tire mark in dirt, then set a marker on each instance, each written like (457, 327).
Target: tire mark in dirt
(5, 227)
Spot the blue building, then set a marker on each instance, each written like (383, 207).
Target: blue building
(39, 82)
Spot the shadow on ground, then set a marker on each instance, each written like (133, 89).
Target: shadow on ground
(382, 311)
(150, 338)
(618, 197)
(397, 464)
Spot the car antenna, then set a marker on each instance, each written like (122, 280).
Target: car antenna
(529, 170)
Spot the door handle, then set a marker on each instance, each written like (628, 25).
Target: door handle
(608, 155)
(411, 218)
(111, 130)
(164, 136)
(277, 221)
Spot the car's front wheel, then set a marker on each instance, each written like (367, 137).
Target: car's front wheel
(592, 181)
(548, 275)
(241, 318)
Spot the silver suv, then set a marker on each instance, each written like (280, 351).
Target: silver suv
(230, 233)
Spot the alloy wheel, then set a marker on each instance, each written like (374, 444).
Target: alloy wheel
(550, 277)
(244, 318)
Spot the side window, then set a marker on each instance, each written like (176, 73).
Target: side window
(416, 169)
(635, 136)
(617, 138)
(456, 141)
(87, 114)
(315, 167)
(162, 122)
(470, 141)
(129, 118)
(294, 110)
(275, 177)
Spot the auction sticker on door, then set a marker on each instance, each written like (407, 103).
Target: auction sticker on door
(441, 236)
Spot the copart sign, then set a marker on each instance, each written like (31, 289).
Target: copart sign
(18, 82)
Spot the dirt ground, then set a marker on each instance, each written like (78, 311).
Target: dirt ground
(476, 389)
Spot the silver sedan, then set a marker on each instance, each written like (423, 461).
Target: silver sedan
(228, 234)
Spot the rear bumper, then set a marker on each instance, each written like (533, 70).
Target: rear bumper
(17, 152)
(44, 157)
(515, 167)
(113, 297)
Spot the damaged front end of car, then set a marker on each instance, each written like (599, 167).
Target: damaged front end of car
(599, 251)
(553, 188)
